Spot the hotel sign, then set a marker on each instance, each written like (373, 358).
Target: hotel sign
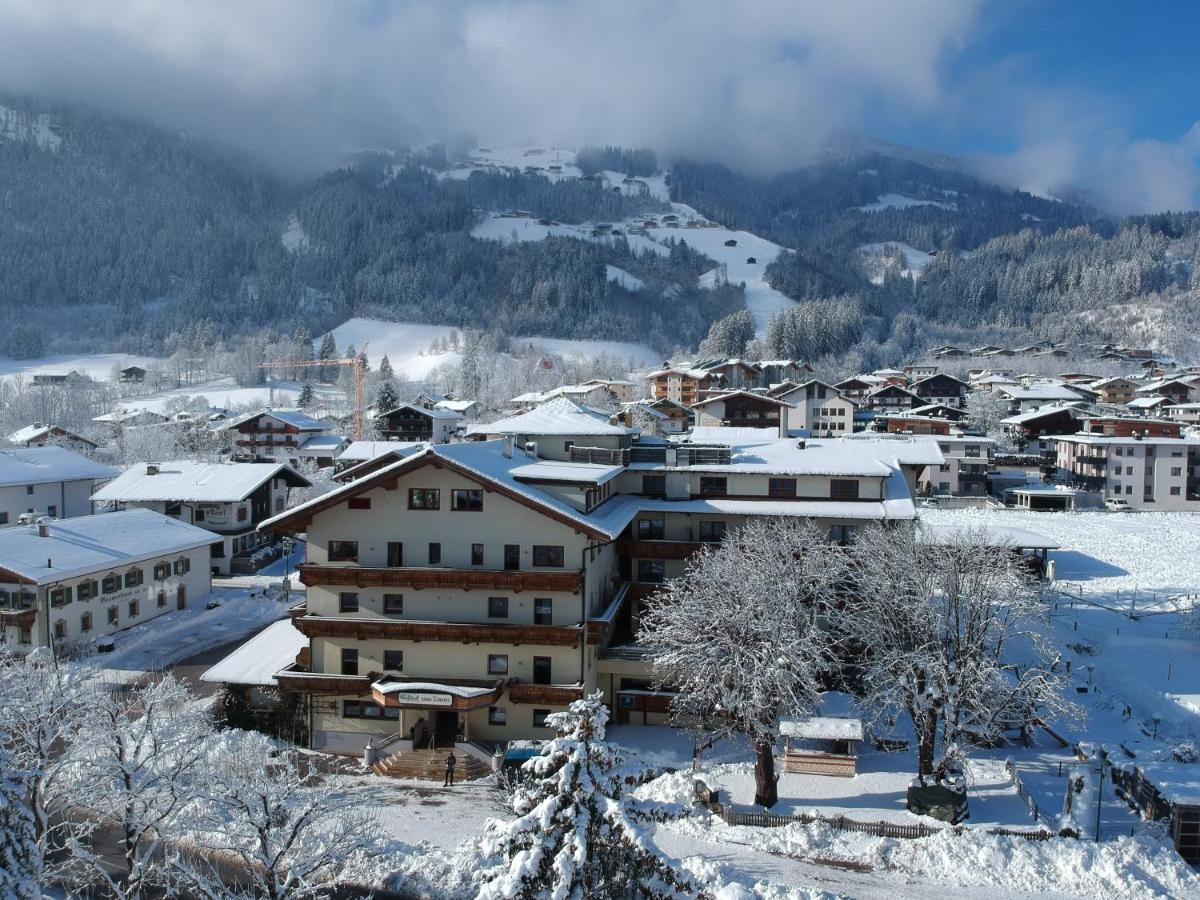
(421, 698)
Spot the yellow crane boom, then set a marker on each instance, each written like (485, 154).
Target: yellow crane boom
(355, 362)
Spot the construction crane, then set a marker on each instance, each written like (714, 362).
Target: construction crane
(356, 362)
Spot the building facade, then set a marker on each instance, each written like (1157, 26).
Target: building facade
(48, 481)
(74, 581)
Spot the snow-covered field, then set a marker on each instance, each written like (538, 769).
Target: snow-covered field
(914, 260)
(1105, 552)
(899, 201)
(94, 365)
(406, 345)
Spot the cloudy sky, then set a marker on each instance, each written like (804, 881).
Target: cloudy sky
(1099, 94)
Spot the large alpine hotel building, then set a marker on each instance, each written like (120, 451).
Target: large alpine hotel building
(468, 590)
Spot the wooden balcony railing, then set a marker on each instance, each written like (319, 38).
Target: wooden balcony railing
(293, 679)
(464, 633)
(457, 579)
(636, 549)
(549, 694)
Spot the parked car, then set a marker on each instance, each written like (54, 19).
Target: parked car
(1116, 504)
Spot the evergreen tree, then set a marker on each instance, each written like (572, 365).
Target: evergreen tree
(387, 397)
(20, 856)
(328, 351)
(385, 369)
(575, 834)
(306, 400)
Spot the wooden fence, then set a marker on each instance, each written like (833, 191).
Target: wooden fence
(878, 829)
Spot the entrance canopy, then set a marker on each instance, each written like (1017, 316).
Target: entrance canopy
(450, 694)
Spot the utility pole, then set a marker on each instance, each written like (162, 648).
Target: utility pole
(1101, 755)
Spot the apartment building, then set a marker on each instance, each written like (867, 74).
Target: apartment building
(466, 592)
(941, 388)
(683, 384)
(48, 481)
(412, 422)
(817, 407)
(558, 426)
(742, 409)
(228, 499)
(68, 581)
(1116, 390)
(1149, 473)
(963, 471)
(276, 435)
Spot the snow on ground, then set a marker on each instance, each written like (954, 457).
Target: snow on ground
(899, 201)
(17, 125)
(183, 633)
(95, 365)
(497, 227)
(226, 394)
(1104, 552)
(625, 279)
(913, 265)
(406, 345)
(293, 236)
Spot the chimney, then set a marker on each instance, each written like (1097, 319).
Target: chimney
(151, 468)
(43, 526)
(800, 444)
(531, 449)
(506, 446)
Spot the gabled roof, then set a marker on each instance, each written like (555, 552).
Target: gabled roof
(480, 461)
(938, 376)
(41, 465)
(89, 544)
(727, 395)
(892, 388)
(1041, 412)
(448, 415)
(186, 481)
(558, 416)
(33, 432)
(294, 417)
(1040, 392)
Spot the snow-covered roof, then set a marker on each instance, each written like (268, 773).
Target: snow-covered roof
(41, 465)
(120, 416)
(433, 412)
(772, 401)
(323, 442)
(360, 450)
(1146, 402)
(1038, 413)
(294, 417)
(1178, 782)
(256, 661)
(991, 535)
(822, 728)
(458, 406)
(457, 690)
(186, 481)
(584, 473)
(88, 544)
(33, 432)
(558, 416)
(1040, 392)
(728, 434)
(484, 460)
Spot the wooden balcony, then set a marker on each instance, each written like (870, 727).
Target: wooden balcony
(456, 579)
(294, 679)
(300, 609)
(463, 633)
(17, 618)
(548, 694)
(635, 549)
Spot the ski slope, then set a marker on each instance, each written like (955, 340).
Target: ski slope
(914, 260)
(899, 201)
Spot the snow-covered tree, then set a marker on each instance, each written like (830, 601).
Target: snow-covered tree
(985, 412)
(20, 855)
(42, 703)
(573, 835)
(293, 831)
(736, 637)
(950, 632)
(135, 761)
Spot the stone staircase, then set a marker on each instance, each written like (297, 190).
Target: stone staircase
(430, 765)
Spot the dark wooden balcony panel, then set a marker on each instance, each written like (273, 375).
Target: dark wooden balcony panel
(458, 579)
(635, 549)
(292, 679)
(549, 694)
(465, 633)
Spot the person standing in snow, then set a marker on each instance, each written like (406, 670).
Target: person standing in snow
(450, 761)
